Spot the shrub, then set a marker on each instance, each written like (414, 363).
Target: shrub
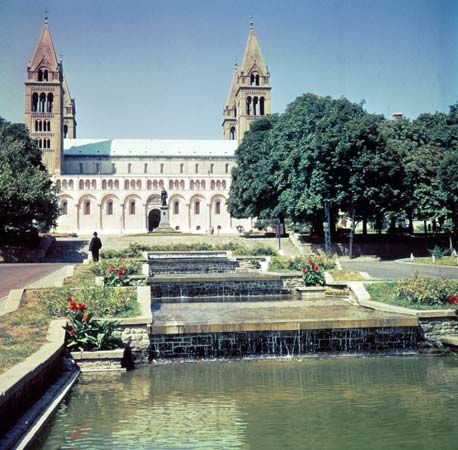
(131, 266)
(313, 274)
(428, 291)
(83, 332)
(282, 263)
(439, 252)
(102, 301)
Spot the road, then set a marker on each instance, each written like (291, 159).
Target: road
(392, 270)
(15, 276)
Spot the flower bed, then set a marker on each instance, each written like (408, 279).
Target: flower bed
(416, 293)
(288, 264)
(313, 274)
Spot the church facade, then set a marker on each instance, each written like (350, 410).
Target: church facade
(113, 186)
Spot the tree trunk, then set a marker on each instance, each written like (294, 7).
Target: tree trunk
(434, 225)
(317, 225)
(365, 226)
(411, 230)
(425, 225)
(352, 234)
(392, 229)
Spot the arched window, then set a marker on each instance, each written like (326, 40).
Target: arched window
(70, 184)
(252, 79)
(65, 131)
(223, 184)
(176, 207)
(197, 184)
(232, 134)
(212, 184)
(255, 106)
(218, 207)
(81, 184)
(191, 184)
(261, 106)
(40, 75)
(36, 125)
(104, 184)
(155, 184)
(198, 228)
(218, 184)
(64, 208)
(110, 184)
(45, 75)
(139, 184)
(40, 143)
(176, 184)
(226, 168)
(132, 208)
(50, 101)
(93, 184)
(58, 184)
(64, 184)
(42, 104)
(257, 79)
(34, 102)
(248, 106)
(202, 184)
(87, 208)
(197, 207)
(170, 184)
(116, 184)
(182, 184)
(161, 183)
(126, 184)
(148, 184)
(87, 184)
(109, 208)
(132, 184)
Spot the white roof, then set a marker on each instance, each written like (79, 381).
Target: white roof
(149, 147)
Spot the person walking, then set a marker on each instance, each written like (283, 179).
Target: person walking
(94, 247)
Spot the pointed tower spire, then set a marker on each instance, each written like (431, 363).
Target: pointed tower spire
(250, 92)
(44, 53)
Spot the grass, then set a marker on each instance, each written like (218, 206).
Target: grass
(444, 261)
(385, 292)
(82, 276)
(345, 275)
(22, 332)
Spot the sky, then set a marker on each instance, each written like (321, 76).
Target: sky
(162, 69)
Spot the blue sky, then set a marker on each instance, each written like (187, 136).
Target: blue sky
(161, 69)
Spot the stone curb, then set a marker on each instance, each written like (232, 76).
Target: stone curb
(12, 301)
(364, 299)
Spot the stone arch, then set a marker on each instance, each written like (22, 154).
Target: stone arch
(111, 213)
(68, 221)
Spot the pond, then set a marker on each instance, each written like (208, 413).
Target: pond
(345, 403)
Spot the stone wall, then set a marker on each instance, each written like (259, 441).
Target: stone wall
(136, 338)
(185, 266)
(434, 329)
(238, 344)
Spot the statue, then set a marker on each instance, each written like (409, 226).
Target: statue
(164, 196)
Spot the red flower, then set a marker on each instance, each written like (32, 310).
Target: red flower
(81, 307)
(453, 299)
(316, 268)
(305, 270)
(71, 332)
(85, 318)
(69, 298)
(121, 273)
(73, 306)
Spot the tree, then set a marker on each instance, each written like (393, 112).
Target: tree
(26, 191)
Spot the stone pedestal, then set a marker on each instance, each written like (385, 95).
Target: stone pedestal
(164, 224)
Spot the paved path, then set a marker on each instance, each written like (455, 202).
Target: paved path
(392, 270)
(16, 276)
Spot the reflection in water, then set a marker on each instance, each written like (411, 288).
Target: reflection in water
(333, 404)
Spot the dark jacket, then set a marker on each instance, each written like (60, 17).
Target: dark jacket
(95, 245)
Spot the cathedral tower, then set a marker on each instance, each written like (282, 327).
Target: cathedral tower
(44, 102)
(250, 92)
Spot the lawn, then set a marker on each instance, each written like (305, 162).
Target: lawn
(444, 261)
(386, 292)
(345, 275)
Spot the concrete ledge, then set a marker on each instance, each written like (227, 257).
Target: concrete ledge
(102, 354)
(213, 277)
(12, 301)
(449, 340)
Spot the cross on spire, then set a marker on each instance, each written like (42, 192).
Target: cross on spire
(46, 15)
(251, 23)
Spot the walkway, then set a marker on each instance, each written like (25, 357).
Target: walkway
(392, 270)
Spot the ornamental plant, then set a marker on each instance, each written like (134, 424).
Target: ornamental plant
(116, 276)
(83, 332)
(313, 274)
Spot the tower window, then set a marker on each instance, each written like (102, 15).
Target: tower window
(176, 207)
(42, 104)
(218, 207)
(40, 75)
(261, 106)
(197, 208)
(65, 131)
(87, 208)
(248, 106)
(252, 79)
(232, 134)
(132, 208)
(50, 102)
(34, 102)
(255, 106)
(257, 79)
(64, 208)
(110, 208)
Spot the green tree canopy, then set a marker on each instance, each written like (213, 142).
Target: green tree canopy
(26, 190)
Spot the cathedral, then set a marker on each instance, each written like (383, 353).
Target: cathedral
(114, 186)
